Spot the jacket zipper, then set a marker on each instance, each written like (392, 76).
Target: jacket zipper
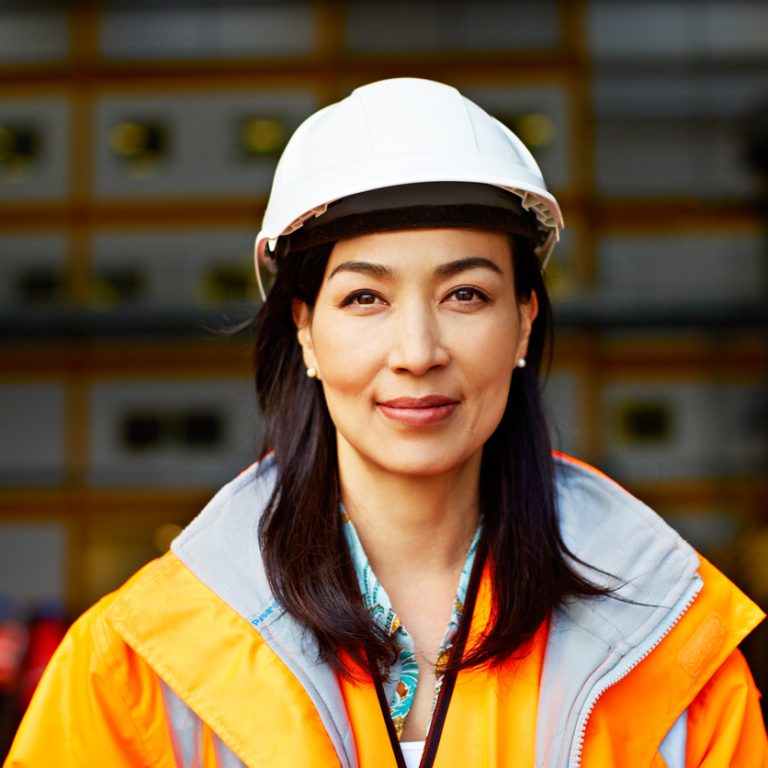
(616, 677)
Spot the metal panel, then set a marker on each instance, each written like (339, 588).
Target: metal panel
(33, 35)
(652, 158)
(172, 268)
(677, 29)
(32, 436)
(665, 429)
(675, 269)
(672, 95)
(44, 174)
(451, 25)
(201, 155)
(33, 562)
(276, 28)
(32, 269)
(172, 432)
(678, 132)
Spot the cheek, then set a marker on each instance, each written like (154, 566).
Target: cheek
(489, 363)
(489, 348)
(495, 394)
(346, 361)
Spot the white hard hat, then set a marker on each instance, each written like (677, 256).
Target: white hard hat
(402, 131)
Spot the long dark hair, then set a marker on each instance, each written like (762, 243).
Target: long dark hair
(306, 557)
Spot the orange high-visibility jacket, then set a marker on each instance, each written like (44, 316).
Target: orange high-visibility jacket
(193, 663)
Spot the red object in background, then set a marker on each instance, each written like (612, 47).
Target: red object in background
(13, 639)
(45, 634)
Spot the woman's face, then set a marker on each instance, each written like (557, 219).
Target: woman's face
(415, 336)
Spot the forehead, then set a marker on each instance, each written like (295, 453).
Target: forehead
(423, 248)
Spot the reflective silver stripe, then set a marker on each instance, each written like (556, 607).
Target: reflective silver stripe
(186, 731)
(225, 757)
(672, 749)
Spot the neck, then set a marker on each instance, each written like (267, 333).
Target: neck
(426, 522)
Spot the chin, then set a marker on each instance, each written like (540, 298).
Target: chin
(420, 463)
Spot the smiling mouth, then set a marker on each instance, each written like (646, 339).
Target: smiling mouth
(418, 411)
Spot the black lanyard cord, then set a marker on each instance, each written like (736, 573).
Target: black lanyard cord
(399, 759)
(449, 680)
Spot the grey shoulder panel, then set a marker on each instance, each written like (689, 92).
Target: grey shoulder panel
(221, 548)
(620, 543)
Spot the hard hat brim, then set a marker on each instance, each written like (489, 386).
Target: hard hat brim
(419, 206)
(354, 180)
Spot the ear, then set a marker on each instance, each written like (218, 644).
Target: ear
(527, 310)
(302, 318)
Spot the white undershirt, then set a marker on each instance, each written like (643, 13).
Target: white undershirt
(412, 751)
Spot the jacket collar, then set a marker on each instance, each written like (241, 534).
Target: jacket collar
(171, 606)
(592, 643)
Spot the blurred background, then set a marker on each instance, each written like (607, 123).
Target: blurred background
(137, 144)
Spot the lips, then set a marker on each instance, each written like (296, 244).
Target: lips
(418, 411)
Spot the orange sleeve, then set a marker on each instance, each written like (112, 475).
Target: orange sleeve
(97, 704)
(725, 724)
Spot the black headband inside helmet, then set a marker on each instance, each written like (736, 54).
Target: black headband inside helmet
(427, 205)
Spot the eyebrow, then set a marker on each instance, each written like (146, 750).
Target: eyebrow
(444, 270)
(363, 268)
(462, 265)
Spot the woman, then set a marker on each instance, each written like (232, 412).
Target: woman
(410, 577)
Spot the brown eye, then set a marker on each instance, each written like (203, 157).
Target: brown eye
(468, 295)
(362, 299)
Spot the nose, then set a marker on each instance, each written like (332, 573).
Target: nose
(416, 345)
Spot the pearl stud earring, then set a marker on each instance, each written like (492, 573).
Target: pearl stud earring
(312, 373)
(521, 363)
